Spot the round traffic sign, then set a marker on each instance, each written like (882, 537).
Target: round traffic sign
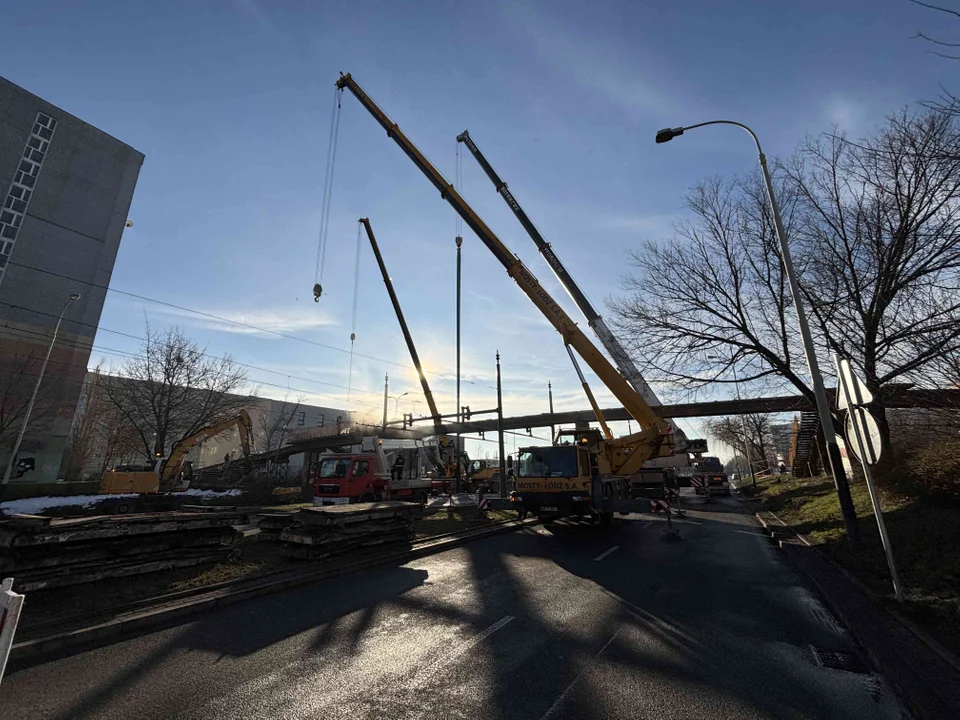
(869, 434)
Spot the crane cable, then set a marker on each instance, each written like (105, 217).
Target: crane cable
(356, 299)
(327, 193)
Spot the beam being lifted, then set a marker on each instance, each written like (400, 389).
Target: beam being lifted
(900, 397)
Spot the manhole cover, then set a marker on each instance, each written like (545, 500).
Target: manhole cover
(839, 660)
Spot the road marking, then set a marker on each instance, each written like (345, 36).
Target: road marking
(429, 672)
(563, 696)
(602, 555)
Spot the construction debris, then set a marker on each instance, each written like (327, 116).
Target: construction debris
(322, 532)
(44, 552)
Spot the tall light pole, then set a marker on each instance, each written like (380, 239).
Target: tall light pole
(820, 393)
(36, 388)
(396, 402)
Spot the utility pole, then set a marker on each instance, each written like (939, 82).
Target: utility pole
(459, 419)
(553, 428)
(36, 389)
(503, 457)
(386, 397)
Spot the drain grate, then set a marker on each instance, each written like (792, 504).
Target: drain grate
(839, 660)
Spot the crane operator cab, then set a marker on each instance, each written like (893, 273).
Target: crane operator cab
(558, 480)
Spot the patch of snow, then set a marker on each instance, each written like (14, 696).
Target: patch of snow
(194, 492)
(36, 505)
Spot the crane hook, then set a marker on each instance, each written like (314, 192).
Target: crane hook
(317, 292)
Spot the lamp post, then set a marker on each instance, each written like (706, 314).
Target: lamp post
(36, 389)
(819, 391)
(396, 402)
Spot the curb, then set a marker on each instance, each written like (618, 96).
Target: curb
(189, 602)
(787, 540)
(920, 634)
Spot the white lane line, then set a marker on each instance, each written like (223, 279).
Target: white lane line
(602, 555)
(429, 672)
(563, 696)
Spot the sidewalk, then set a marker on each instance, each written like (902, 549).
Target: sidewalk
(926, 681)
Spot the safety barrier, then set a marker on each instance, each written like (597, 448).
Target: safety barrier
(10, 605)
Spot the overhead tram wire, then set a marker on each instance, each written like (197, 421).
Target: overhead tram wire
(230, 321)
(252, 381)
(123, 353)
(327, 193)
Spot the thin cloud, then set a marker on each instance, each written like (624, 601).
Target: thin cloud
(262, 323)
(594, 65)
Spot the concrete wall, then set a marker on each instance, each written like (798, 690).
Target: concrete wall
(80, 184)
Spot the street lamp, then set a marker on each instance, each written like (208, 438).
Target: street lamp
(36, 389)
(743, 423)
(396, 402)
(820, 393)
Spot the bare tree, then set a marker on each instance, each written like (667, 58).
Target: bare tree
(273, 427)
(876, 231)
(172, 389)
(714, 296)
(729, 430)
(99, 432)
(881, 239)
(18, 376)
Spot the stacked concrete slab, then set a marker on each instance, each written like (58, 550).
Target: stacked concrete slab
(43, 552)
(322, 532)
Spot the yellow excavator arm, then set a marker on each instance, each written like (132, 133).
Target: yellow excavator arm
(625, 455)
(171, 467)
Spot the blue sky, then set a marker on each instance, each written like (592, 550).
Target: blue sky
(231, 101)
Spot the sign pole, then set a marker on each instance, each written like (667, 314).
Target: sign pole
(854, 402)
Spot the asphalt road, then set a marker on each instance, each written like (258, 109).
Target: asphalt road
(563, 621)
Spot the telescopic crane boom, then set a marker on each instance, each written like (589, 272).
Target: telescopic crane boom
(625, 455)
(609, 341)
(414, 355)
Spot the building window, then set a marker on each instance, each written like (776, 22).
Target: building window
(25, 177)
(301, 418)
(320, 421)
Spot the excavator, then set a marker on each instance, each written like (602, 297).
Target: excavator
(174, 473)
(609, 341)
(587, 472)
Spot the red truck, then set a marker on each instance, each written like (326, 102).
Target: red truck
(372, 474)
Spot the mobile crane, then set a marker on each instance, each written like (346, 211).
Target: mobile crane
(590, 474)
(609, 341)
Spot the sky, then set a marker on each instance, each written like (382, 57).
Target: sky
(231, 102)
